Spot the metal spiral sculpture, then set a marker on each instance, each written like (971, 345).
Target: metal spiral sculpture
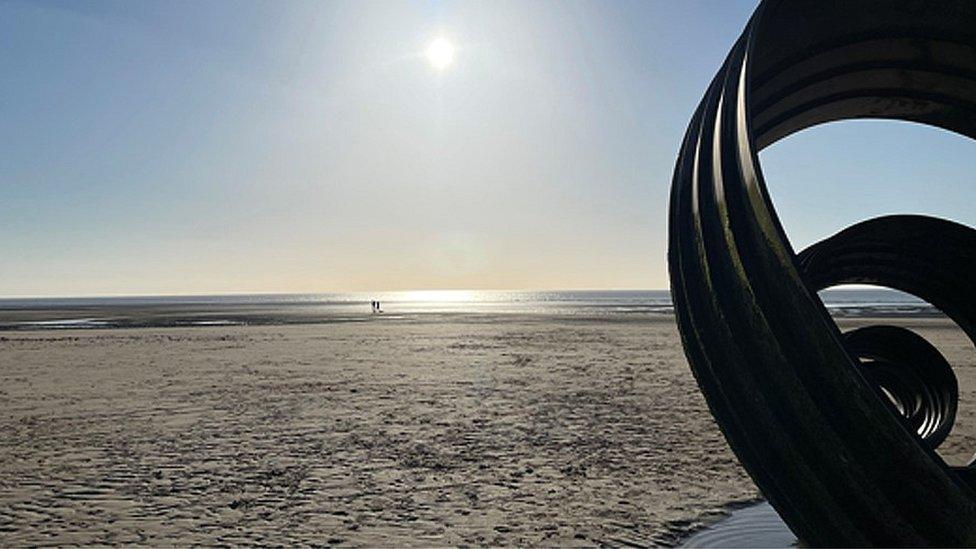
(838, 430)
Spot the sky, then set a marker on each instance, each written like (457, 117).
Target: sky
(253, 147)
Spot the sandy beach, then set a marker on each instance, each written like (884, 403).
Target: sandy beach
(439, 430)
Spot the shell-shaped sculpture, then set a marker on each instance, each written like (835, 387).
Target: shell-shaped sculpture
(838, 430)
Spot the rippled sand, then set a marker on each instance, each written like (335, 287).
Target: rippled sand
(459, 430)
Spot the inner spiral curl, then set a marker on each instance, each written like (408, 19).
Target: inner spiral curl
(912, 375)
(898, 252)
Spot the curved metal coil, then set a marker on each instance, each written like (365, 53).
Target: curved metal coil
(907, 371)
(931, 258)
(924, 256)
(810, 429)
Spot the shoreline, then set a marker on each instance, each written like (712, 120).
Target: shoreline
(55, 320)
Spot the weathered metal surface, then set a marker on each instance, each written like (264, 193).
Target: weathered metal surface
(839, 462)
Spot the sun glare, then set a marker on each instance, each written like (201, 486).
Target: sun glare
(440, 296)
(440, 53)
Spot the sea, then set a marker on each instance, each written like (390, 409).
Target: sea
(56, 313)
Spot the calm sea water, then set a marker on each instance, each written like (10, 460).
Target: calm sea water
(109, 312)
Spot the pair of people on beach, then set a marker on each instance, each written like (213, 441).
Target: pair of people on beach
(376, 306)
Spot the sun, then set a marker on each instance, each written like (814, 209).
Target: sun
(440, 53)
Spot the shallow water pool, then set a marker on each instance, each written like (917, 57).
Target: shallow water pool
(754, 526)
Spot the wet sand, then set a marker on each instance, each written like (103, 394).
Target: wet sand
(487, 429)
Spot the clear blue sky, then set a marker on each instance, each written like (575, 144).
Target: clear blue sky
(209, 147)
